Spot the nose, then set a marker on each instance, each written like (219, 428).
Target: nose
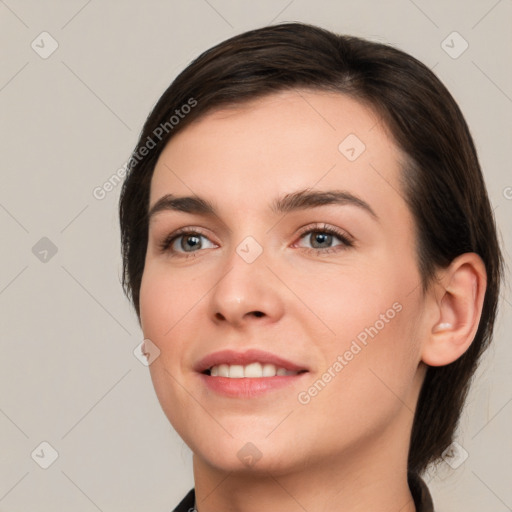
(246, 292)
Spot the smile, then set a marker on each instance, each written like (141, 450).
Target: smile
(252, 370)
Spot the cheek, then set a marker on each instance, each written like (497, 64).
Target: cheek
(153, 304)
(170, 303)
(163, 301)
(372, 321)
(373, 373)
(163, 319)
(348, 299)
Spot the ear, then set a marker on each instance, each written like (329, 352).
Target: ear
(456, 310)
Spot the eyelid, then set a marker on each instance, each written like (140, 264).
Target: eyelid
(322, 226)
(344, 236)
(346, 239)
(168, 240)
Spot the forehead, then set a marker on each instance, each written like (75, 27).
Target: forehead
(278, 144)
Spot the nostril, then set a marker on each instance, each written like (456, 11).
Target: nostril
(258, 313)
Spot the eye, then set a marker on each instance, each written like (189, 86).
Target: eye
(184, 241)
(187, 241)
(322, 237)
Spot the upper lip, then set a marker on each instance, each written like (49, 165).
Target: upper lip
(244, 358)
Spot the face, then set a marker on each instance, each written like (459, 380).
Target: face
(308, 256)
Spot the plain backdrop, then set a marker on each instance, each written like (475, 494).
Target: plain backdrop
(77, 80)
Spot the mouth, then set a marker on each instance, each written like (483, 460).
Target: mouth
(255, 370)
(248, 374)
(252, 363)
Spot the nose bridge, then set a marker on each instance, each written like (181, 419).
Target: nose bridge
(247, 287)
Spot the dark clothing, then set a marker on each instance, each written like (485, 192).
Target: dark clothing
(187, 504)
(419, 491)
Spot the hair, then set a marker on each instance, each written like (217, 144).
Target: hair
(441, 176)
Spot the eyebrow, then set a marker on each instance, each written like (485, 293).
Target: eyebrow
(294, 201)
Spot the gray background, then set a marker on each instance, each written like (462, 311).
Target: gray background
(69, 121)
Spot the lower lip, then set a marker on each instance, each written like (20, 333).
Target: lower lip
(247, 387)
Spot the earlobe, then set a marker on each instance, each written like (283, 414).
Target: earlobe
(456, 312)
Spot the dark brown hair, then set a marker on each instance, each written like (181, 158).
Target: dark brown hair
(442, 180)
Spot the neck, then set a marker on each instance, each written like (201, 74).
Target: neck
(373, 478)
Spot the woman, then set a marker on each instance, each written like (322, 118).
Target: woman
(313, 260)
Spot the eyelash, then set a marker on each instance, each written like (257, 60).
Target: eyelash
(347, 240)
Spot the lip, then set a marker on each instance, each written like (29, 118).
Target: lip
(244, 358)
(247, 387)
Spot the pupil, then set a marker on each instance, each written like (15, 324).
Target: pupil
(323, 238)
(194, 243)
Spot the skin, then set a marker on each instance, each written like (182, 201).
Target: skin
(346, 449)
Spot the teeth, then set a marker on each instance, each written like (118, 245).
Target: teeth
(252, 370)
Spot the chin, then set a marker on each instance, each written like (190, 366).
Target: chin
(247, 458)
